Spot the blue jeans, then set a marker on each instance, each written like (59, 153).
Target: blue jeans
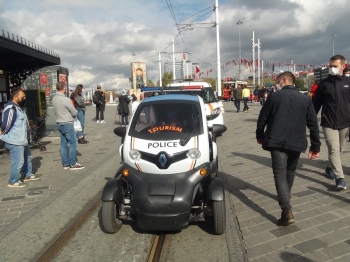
(21, 158)
(81, 118)
(67, 135)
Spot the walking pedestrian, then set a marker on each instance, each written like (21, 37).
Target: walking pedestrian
(15, 132)
(333, 95)
(123, 107)
(237, 92)
(245, 96)
(100, 102)
(286, 114)
(65, 114)
(80, 104)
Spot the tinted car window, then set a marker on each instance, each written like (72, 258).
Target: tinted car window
(207, 94)
(166, 120)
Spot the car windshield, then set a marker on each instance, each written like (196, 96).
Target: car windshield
(166, 120)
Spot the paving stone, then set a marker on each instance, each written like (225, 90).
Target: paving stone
(10, 215)
(331, 226)
(304, 193)
(316, 256)
(259, 250)
(256, 239)
(334, 237)
(338, 250)
(260, 259)
(12, 198)
(326, 217)
(262, 227)
(282, 231)
(286, 254)
(283, 242)
(307, 234)
(310, 245)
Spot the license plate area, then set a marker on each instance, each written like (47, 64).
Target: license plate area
(161, 188)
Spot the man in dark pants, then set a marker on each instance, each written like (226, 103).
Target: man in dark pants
(286, 114)
(237, 92)
(100, 106)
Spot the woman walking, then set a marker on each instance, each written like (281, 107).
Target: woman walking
(245, 96)
(123, 107)
(79, 102)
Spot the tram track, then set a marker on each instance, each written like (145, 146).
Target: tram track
(158, 251)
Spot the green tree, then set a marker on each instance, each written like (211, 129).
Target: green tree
(211, 81)
(149, 83)
(299, 84)
(167, 78)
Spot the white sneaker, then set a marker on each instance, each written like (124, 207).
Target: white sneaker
(103, 122)
(98, 121)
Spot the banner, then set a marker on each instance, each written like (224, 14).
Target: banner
(62, 78)
(43, 79)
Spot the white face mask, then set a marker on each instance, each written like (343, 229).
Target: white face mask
(347, 75)
(334, 71)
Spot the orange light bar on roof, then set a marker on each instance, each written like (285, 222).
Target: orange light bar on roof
(192, 87)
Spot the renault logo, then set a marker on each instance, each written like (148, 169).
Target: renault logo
(162, 160)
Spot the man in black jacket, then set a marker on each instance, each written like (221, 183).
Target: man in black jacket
(333, 95)
(286, 114)
(237, 93)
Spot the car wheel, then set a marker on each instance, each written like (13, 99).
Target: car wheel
(219, 217)
(110, 217)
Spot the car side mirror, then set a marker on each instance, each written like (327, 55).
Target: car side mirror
(218, 130)
(120, 131)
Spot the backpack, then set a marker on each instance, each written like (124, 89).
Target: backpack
(96, 99)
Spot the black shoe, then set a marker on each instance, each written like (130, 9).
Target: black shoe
(81, 141)
(85, 140)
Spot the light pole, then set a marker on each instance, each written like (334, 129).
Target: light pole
(333, 36)
(239, 23)
(218, 87)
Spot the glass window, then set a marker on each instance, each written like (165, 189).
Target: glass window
(166, 120)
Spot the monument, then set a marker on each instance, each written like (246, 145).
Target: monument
(138, 78)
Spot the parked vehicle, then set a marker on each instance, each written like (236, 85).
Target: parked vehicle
(168, 178)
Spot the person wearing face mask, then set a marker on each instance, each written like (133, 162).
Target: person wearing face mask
(347, 72)
(286, 114)
(15, 132)
(333, 95)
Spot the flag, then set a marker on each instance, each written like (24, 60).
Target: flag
(43, 79)
(197, 70)
(62, 78)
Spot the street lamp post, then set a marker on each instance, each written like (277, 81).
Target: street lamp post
(239, 23)
(333, 36)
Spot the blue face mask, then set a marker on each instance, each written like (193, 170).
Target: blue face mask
(171, 114)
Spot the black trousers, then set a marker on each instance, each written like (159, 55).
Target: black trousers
(100, 110)
(246, 107)
(284, 164)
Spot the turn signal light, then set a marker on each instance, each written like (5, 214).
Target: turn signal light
(203, 171)
(125, 172)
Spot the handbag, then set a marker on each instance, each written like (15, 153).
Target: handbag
(77, 126)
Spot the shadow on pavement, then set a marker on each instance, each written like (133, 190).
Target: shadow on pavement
(288, 256)
(36, 164)
(236, 186)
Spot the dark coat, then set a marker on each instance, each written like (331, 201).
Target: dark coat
(123, 107)
(237, 93)
(333, 95)
(286, 114)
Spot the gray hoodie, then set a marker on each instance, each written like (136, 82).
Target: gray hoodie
(64, 109)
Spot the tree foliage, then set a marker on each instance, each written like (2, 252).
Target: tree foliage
(299, 84)
(167, 78)
(149, 83)
(211, 81)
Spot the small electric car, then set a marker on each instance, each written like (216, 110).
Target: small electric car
(168, 176)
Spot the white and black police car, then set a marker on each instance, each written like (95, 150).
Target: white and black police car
(168, 176)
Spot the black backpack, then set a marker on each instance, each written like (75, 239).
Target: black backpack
(96, 99)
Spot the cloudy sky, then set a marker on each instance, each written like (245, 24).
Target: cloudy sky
(97, 40)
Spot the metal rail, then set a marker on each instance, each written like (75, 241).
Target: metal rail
(55, 245)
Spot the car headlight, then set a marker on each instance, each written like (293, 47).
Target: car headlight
(135, 154)
(216, 111)
(194, 154)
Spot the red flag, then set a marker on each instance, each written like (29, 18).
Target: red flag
(43, 79)
(197, 70)
(62, 78)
